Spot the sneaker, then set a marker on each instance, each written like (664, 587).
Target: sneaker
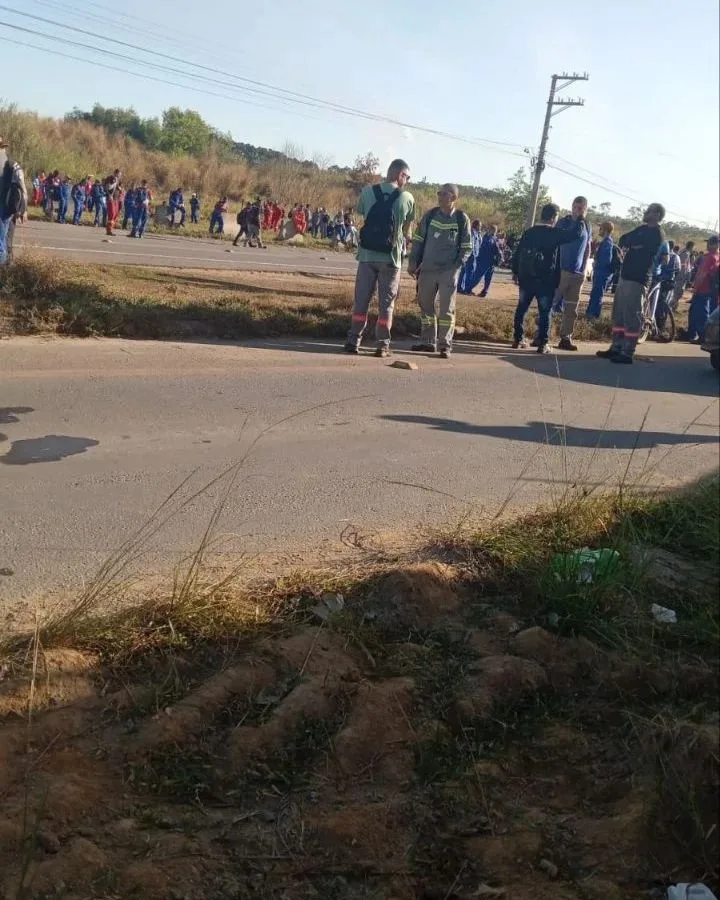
(352, 348)
(544, 348)
(382, 352)
(445, 353)
(566, 344)
(607, 354)
(520, 345)
(621, 358)
(423, 348)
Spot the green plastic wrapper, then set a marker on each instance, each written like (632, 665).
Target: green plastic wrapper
(584, 566)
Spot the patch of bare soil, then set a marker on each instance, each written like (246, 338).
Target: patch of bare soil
(420, 757)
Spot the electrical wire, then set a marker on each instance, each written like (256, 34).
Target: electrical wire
(294, 96)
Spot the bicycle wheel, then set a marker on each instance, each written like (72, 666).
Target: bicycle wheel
(668, 332)
(648, 326)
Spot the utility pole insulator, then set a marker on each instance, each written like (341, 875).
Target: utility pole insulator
(555, 105)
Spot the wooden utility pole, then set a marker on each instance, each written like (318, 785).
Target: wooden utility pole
(554, 106)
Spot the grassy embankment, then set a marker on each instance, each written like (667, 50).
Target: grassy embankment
(40, 294)
(462, 725)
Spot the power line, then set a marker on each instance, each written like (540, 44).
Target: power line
(292, 96)
(635, 200)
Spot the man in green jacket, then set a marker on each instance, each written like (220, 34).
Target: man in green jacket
(388, 210)
(441, 246)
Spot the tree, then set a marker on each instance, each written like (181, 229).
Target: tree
(185, 131)
(363, 172)
(605, 208)
(515, 200)
(635, 214)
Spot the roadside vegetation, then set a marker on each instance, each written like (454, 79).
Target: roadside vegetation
(451, 722)
(41, 294)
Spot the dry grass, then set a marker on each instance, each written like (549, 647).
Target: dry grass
(43, 294)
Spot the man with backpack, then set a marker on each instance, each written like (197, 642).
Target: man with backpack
(388, 210)
(242, 220)
(534, 268)
(141, 209)
(13, 201)
(441, 246)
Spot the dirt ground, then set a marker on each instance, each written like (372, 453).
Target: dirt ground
(446, 750)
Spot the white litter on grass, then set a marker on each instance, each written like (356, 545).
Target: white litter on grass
(663, 615)
(690, 892)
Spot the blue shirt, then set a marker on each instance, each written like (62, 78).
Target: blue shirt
(488, 248)
(572, 255)
(604, 254)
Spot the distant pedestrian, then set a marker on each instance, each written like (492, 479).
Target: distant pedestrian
(176, 204)
(468, 279)
(705, 291)
(13, 201)
(686, 255)
(129, 206)
(641, 246)
(217, 220)
(389, 211)
(573, 263)
(489, 256)
(254, 231)
(441, 246)
(602, 270)
(78, 199)
(141, 209)
(535, 271)
(242, 223)
(111, 187)
(194, 209)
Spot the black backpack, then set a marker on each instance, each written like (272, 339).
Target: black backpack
(380, 228)
(532, 263)
(13, 195)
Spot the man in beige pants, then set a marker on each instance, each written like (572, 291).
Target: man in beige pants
(573, 262)
(440, 247)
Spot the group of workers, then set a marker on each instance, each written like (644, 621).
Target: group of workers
(449, 255)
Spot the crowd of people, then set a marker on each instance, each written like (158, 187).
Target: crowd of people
(99, 197)
(549, 263)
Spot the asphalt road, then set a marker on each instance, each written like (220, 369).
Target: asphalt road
(96, 434)
(87, 244)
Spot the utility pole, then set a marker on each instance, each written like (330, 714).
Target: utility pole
(554, 106)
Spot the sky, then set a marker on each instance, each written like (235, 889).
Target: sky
(477, 72)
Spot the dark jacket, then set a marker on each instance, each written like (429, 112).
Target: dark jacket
(545, 241)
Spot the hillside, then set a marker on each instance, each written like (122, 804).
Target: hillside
(180, 148)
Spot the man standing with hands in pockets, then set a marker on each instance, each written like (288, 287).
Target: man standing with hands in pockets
(441, 246)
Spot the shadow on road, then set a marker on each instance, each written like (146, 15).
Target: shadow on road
(689, 374)
(50, 448)
(558, 435)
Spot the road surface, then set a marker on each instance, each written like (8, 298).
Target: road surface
(86, 244)
(96, 434)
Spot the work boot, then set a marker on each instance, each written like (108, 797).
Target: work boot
(445, 353)
(382, 352)
(566, 344)
(544, 348)
(535, 342)
(607, 354)
(352, 348)
(622, 358)
(520, 345)
(482, 294)
(423, 348)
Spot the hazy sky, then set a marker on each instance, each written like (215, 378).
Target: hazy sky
(649, 129)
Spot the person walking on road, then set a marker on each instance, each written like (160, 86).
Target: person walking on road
(78, 198)
(681, 281)
(534, 268)
(573, 262)
(705, 291)
(489, 256)
(602, 270)
(389, 211)
(641, 247)
(141, 210)
(467, 280)
(112, 192)
(441, 246)
(13, 201)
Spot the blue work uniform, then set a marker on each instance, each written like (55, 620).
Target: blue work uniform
(602, 273)
(78, 199)
(194, 210)
(140, 212)
(64, 201)
(468, 279)
(128, 208)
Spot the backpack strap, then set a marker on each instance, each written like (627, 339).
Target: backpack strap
(378, 192)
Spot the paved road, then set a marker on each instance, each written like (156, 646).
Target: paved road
(95, 434)
(88, 244)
